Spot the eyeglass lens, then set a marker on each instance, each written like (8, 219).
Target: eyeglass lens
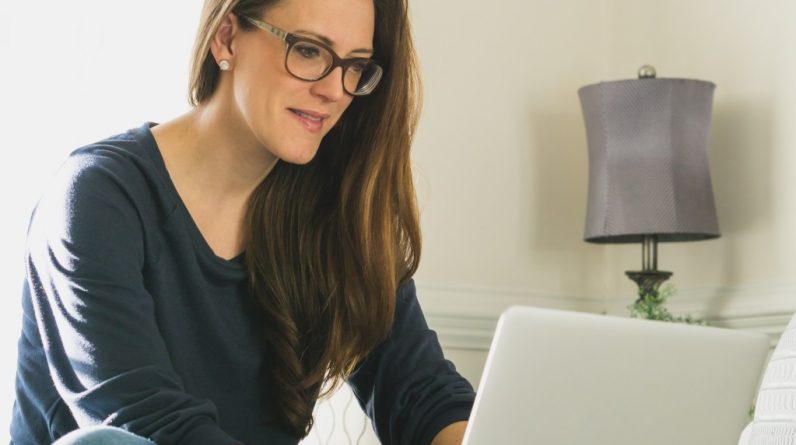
(308, 61)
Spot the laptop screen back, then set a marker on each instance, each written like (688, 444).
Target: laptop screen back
(556, 377)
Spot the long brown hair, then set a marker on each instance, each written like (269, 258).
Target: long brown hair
(330, 242)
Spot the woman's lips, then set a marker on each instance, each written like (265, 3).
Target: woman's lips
(311, 120)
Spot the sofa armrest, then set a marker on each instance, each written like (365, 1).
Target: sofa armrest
(746, 435)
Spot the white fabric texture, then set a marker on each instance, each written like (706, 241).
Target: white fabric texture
(775, 411)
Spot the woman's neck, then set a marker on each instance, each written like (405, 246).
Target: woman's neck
(210, 151)
(215, 165)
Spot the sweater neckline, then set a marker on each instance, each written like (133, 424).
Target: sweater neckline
(147, 139)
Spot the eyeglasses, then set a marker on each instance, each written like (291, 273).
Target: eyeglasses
(310, 60)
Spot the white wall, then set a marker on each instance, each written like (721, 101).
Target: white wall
(503, 163)
(500, 156)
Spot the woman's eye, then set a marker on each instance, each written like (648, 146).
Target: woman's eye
(358, 67)
(308, 51)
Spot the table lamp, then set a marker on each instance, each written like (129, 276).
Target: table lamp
(649, 180)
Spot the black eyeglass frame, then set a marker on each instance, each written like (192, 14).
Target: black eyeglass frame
(291, 39)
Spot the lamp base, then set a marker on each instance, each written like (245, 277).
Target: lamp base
(648, 281)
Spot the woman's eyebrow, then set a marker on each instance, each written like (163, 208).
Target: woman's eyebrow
(329, 42)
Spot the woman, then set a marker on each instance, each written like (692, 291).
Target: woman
(199, 281)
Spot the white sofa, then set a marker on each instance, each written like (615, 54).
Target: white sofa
(775, 411)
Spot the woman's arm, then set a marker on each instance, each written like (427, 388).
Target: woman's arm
(95, 316)
(407, 387)
(452, 434)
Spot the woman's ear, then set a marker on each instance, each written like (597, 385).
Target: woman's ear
(221, 46)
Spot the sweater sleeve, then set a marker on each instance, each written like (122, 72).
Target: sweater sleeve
(406, 386)
(85, 258)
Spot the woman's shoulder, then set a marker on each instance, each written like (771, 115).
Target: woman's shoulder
(106, 191)
(124, 166)
(114, 176)
(120, 155)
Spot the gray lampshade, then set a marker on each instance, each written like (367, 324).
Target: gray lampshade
(648, 160)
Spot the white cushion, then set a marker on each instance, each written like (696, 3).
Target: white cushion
(775, 410)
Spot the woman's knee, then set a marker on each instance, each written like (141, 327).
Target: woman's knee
(102, 435)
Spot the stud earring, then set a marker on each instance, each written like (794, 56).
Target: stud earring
(224, 65)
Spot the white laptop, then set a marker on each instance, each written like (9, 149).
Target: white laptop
(568, 378)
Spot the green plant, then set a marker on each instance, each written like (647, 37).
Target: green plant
(650, 305)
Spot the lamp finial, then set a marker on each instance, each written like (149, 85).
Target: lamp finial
(647, 72)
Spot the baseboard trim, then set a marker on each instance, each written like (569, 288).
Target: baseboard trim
(465, 318)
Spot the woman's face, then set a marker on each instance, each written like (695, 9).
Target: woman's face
(287, 115)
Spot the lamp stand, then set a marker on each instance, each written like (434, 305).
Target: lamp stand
(649, 279)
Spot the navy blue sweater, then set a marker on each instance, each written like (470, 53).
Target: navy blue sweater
(131, 320)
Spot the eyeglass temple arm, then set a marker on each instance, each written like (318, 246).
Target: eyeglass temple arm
(265, 26)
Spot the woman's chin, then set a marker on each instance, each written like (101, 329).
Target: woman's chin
(300, 156)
